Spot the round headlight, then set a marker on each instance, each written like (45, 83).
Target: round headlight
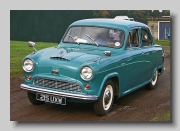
(28, 65)
(86, 73)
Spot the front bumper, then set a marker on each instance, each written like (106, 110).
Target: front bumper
(162, 70)
(63, 94)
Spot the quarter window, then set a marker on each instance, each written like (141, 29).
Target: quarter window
(146, 39)
(133, 39)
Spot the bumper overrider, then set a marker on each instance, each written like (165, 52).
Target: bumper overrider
(57, 93)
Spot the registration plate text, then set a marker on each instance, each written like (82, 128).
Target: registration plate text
(51, 98)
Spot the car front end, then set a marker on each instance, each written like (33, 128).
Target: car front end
(78, 69)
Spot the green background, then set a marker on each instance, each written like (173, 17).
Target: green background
(43, 25)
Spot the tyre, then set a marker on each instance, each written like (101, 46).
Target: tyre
(32, 99)
(105, 102)
(152, 84)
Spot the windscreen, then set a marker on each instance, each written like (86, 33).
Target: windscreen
(98, 36)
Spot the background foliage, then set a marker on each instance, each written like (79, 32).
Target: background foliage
(138, 15)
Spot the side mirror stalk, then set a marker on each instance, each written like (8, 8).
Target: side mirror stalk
(32, 44)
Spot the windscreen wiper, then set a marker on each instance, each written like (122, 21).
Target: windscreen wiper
(92, 39)
(73, 39)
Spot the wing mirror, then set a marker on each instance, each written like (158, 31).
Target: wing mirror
(32, 44)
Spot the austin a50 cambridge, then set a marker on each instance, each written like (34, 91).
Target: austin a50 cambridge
(96, 61)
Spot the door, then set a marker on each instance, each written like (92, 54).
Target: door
(164, 28)
(135, 61)
(149, 52)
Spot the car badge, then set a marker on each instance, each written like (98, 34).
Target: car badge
(55, 72)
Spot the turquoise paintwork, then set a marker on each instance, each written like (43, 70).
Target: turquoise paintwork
(132, 69)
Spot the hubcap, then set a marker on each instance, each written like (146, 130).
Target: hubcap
(154, 78)
(107, 97)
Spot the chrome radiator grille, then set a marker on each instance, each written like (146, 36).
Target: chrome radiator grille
(57, 84)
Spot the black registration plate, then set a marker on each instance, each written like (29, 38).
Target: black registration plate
(51, 98)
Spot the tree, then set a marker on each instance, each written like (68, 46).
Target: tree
(138, 15)
(101, 14)
(156, 13)
(166, 13)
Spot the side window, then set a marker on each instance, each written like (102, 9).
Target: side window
(133, 39)
(146, 39)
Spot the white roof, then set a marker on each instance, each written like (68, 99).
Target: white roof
(120, 17)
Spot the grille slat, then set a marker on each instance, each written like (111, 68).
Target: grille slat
(62, 85)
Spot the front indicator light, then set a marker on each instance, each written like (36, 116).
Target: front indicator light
(29, 78)
(87, 86)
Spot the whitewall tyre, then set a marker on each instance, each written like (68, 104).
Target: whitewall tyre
(153, 83)
(105, 102)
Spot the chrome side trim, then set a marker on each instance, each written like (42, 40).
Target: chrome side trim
(64, 94)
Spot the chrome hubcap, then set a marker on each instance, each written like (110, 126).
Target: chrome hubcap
(107, 97)
(154, 78)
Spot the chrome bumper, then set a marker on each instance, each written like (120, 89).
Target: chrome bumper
(63, 94)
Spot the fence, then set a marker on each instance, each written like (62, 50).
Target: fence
(43, 25)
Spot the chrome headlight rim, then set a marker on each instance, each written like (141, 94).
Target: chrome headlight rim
(82, 75)
(23, 66)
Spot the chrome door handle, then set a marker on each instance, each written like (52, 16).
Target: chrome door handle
(143, 53)
(129, 59)
(122, 64)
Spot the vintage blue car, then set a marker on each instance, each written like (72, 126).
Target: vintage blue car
(96, 61)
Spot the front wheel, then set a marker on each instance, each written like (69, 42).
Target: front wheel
(152, 84)
(105, 102)
(32, 99)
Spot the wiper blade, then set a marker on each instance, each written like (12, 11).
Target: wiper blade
(92, 39)
(73, 39)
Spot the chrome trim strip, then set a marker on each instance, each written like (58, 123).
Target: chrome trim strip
(64, 94)
(60, 57)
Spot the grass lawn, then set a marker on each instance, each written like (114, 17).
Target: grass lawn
(18, 50)
(164, 43)
(163, 118)
(166, 47)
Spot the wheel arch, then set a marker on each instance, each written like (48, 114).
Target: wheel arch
(160, 70)
(154, 72)
(115, 78)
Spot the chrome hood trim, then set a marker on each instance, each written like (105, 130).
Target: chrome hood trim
(60, 58)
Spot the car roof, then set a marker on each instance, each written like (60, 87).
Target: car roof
(107, 22)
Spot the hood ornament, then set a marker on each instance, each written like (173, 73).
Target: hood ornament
(61, 54)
